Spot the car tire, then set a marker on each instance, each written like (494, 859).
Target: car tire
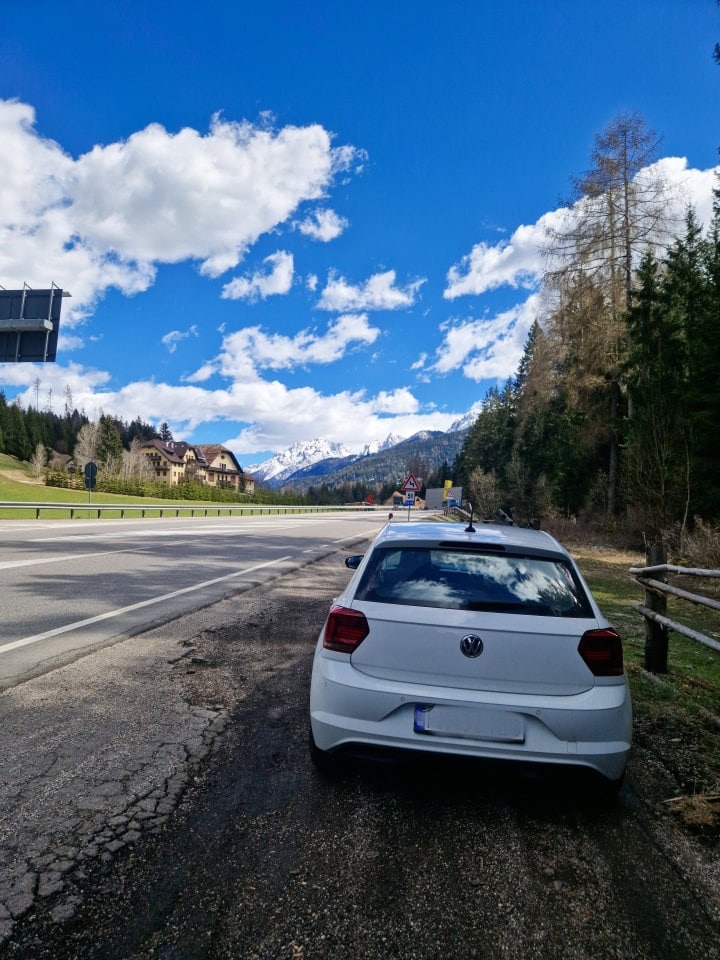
(323, 761)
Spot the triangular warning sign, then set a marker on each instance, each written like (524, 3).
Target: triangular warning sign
(411, 485)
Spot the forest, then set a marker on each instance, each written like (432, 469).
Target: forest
(611, 415)
(23, 430)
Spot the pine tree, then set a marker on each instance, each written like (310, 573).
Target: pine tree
(620, 209)
(489, 441)
(701, 289)
(109, 445)
(17, 441)
(656, 452)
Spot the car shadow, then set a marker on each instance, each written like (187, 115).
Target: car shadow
(543, 791)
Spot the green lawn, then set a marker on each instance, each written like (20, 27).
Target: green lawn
(20, 492)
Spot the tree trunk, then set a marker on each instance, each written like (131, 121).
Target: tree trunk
(614, 448)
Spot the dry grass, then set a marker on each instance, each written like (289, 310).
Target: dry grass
(698, 810)
(698, 547)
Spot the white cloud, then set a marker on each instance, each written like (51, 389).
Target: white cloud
(377, 293)
(420, 362)
(517, 262)
(174, 337)
(262, 285)
(67, 341)
(311, 282)
(292, 415)
(111, 216)
(251, 349)
(82, 381)
(203, 373)
(277, 415)
(487, 349)
(324, 225)
(397, 402)
(693, 186)
(520, 261)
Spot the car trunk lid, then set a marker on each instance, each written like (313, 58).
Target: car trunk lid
(515, 653)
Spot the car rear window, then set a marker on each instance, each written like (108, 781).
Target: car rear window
(471, 580)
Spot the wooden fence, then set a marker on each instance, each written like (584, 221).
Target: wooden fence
(653, 578)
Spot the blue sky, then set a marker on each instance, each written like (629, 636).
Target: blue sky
(284, 220)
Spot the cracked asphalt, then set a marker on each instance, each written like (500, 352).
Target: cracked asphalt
(94, 756)
(157, 801)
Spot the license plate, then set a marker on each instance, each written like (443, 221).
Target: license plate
(470, 723)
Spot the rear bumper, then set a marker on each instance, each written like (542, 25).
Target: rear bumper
(592, 729)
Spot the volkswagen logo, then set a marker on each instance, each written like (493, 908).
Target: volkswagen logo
(471, 645)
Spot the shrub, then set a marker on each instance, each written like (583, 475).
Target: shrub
(698, 546)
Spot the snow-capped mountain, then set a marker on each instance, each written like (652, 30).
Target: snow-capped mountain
(299, 455)
(327, 457)
(468, 420)
(308, 452)
(389, 466)
(377, 446)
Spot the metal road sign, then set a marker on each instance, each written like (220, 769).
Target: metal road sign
(90, 473)
(411, 485)
(29, 324)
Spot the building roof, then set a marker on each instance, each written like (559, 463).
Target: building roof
(168, 450)
(212, 450)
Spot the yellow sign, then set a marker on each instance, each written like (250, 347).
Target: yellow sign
(446, 490)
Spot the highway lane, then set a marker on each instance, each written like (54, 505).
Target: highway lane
(69, 586)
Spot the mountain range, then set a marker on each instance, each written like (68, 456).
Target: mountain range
(312, 462)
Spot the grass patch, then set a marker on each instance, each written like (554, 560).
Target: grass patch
(694, 670)
(23, 492)
(677, 715)
(11, 463)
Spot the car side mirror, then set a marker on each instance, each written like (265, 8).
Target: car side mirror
(354, 561)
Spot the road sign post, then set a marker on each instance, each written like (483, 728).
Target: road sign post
(90, 473)
(411, 485)
(410, 488)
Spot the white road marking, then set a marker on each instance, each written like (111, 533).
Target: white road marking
(11, 564)
(200, 532)
(26, 641)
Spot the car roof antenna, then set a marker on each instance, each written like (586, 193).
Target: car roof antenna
(470, 528)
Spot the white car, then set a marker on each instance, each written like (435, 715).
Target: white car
(480, 642)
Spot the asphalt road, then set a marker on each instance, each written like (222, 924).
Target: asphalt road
(158, 802)
(66, 587)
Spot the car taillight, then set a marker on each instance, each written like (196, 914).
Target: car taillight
(345, 630)
(602, 652)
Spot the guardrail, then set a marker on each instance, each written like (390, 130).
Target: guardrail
(227, 509)
(654, 609)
